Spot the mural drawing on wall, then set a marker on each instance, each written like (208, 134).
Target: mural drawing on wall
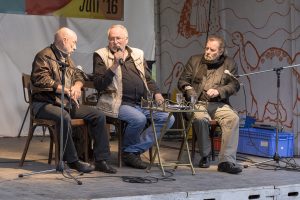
(266, 46)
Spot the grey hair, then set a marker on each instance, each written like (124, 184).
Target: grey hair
(118, 26)
(219, 39)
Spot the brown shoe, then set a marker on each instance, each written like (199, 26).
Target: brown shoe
(81, 166)
(103, 166)
(229, 167)
(204, 162)
(134, 160)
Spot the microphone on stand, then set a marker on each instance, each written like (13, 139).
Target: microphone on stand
(233, 76)
(121, 61)
(226, 71)
(63, 64)
(79, 68)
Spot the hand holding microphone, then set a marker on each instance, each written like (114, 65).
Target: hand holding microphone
(119, 56)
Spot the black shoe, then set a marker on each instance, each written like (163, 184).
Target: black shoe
(103, 166)
(229, 167)
(204, 162)
(81, 166)
(134, 160)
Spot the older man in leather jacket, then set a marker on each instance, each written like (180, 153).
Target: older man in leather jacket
(210, 77)
(47, 74)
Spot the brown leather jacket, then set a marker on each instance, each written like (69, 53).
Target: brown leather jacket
(195, 74)
(46, 73)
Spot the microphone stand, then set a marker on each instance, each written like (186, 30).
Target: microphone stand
(278, 70)
(61, 165)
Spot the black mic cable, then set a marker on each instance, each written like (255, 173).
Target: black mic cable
(63, 64)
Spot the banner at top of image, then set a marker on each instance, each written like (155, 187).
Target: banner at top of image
(97, 9)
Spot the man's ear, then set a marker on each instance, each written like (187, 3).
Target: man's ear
(222, 51)
(65, 40)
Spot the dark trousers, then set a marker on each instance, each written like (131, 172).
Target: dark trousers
(97, 129)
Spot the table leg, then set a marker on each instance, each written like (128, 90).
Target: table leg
(185, 131)
(157, 143)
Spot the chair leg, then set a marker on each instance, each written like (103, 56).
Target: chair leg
(194, 138)
(44, 133)
(30, 135)
(211, 133)
(212, 149)
(119, 131)
(20, 131)
(86, 143)
(51, 147)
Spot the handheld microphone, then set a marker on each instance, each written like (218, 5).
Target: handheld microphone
(79, 68)
(63, 64)
(121, 61)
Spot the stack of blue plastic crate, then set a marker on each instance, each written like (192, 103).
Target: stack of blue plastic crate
(262, 142)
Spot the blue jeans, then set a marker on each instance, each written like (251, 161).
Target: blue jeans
(136, 138)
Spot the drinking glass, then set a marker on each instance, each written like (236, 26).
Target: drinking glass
(193, 100)
(179, 98)
(150, 98)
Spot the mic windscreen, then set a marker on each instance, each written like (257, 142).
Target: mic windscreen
(226, 71)
(79, 67)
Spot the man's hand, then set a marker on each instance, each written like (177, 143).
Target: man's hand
(75, 92)
(189, 93)
(118, 55)
(159, 98)
(212, 93)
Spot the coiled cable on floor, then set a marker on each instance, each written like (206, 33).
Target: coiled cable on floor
(147, 179)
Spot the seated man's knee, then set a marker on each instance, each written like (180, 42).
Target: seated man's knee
(171, 121)
(233, 119)
(101, 116)
(140, 120)
(202, 121)
(67, 119)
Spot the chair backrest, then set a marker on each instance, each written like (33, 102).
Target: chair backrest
(26, 87)
(27, 90)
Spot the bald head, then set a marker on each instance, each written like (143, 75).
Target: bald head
(65, 40)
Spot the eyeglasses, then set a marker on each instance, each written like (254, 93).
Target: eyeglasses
(117, 39)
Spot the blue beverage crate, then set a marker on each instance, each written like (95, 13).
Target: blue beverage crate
(261, 142)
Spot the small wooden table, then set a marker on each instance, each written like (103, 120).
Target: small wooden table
(171, 109)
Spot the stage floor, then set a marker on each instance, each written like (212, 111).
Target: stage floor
(99, 185)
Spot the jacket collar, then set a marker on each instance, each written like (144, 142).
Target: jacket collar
(215, 63)
(59, 54)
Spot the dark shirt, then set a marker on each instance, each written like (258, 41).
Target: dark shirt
(133, 85)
